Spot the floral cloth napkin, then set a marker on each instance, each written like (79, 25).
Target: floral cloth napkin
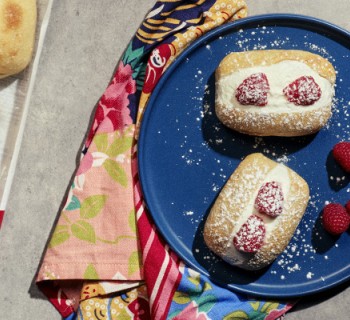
(105, 258)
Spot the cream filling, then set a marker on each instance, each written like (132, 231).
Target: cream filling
(278, 174)
(279, 75)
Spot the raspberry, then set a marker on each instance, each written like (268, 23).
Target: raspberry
(270, 199)
(347, 207)
(250, 236)
(341, 154)
(303, 91)
(335, 219)
(253, 90)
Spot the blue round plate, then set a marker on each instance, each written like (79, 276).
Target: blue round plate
(186, 155)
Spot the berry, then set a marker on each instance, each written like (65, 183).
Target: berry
(250, 236)
(253, 90)
(335, 219)
(270, 199)
(341, 154)
(347, 207)
(303, 91)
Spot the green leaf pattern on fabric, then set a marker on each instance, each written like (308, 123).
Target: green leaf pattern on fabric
(92, 206)
(112, 150)
(237, 315)
(83, 231)
(255, 305)
(196, 297)
(197, 290)
(181, 297)
(116, 172)
(132, 221)
(134, 262)
(140, 78)
(132, 57)
(207, 286)
(269, 306)
(91, 273)
(60, 235)
(101, 142)
(195, 279)
(119, 146)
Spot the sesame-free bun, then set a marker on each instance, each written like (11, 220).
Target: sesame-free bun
(17, 33)
(235, 204)
(279, 117)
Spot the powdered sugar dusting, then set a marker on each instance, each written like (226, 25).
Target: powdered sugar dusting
(250, 237)
(227, 149)
(253, 90)
(292, 106)
(270, 199)
(303, 91)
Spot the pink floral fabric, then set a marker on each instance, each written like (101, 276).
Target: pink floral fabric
(98, 219)
(105, 255)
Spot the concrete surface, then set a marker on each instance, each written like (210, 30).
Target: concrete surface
(84, 41)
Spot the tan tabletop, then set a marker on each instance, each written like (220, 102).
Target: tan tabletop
(84, 41)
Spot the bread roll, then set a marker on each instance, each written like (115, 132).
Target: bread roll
(277, 113)
(238, 202)
(17, 34)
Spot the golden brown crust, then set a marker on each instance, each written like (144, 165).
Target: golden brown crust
(278, 124)
(232, 202)
(225, 213)
(237, 60)
(263, 123)
(17, 33)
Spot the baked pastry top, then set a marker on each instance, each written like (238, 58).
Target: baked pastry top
(274, 92)
(256, 213)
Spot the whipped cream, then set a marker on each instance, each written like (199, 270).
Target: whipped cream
(279, 75)
(279, 174)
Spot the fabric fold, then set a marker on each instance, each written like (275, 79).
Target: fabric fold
(106, 259)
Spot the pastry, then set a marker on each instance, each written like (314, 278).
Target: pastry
(17, 34)
(256, 214)
(274, 92)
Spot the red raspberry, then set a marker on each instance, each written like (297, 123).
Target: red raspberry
(335, 219)
(250, 236)
(341, 154)
(303, 91)
(347, 207)
(270, 199)
(253, 90)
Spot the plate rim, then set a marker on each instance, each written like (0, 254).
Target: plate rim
(288, 19)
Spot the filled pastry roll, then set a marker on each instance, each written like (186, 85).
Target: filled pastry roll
(274, 92)
(256, 213)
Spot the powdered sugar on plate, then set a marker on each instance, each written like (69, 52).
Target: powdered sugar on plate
(198, 150)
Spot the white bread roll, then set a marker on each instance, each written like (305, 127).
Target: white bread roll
(279, 117)
(17, 34)
(236, 203)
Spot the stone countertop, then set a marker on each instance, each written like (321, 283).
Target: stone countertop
(84, 41)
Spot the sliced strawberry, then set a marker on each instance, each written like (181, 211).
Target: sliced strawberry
(253, 90)
(303, 91)
(341, 154)
(251, 235)
(270, 199)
